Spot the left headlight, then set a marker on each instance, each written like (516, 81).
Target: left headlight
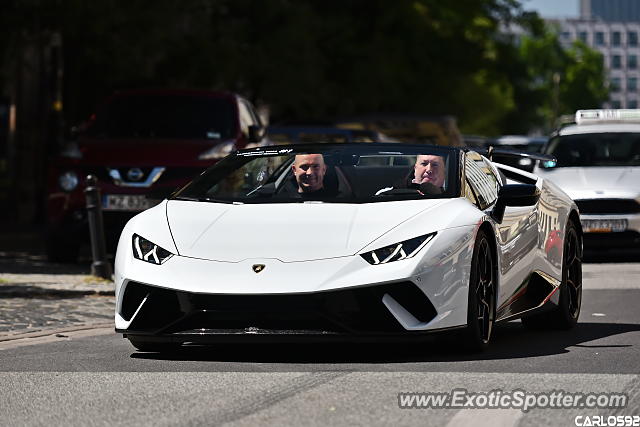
(397, 251)
(145, 250)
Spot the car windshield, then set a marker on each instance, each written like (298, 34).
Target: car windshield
(332, 173)
(596, 149)
(165, 116)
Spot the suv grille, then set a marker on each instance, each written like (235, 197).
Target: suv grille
(608, 206)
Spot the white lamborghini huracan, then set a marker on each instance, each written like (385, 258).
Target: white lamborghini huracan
(349, 241)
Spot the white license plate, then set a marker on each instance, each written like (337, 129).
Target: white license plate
(125, 202)
(604, 225)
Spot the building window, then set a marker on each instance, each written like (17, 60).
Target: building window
(615, 84)
(632, 38)
(616, 39)
(566, 35)
(632, 103)
(599, 38)
(632, 84)
(615, 104)
(616, 62)
(632, 62)
(582, 35)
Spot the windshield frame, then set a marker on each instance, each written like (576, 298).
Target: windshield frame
(194, 190)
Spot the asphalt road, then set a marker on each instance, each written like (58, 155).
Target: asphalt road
(94, 377)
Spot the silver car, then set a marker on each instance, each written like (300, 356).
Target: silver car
(598, 165)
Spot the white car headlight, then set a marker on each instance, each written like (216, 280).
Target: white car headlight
(68, 181)
(145, 250)
(397, 251)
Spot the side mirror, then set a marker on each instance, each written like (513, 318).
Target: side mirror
(256, 133)
(515, 195)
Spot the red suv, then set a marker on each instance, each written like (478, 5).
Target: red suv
(141, 145)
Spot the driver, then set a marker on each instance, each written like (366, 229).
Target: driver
(309, 171)
(429, 169)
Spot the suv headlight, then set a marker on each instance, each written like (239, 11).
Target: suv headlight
(145, 250)
(68, 181)
(397, 251)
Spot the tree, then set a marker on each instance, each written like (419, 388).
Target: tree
(550, 81)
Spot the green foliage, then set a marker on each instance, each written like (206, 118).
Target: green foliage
(556, 81)
(316, 60)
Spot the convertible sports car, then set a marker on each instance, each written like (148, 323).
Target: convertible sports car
(346, 242)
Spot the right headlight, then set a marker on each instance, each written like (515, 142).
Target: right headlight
(148, 251)
(397, 251)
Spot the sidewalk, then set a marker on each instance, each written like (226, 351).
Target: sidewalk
(37, 297)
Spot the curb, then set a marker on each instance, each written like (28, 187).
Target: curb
(56, 331)
(18, 291)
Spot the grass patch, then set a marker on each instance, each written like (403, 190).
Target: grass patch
(96, 279)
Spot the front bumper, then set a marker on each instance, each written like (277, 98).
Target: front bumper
(164, 315)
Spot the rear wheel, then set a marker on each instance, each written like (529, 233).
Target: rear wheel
(481, 308)
(155, 347)
(565, 315)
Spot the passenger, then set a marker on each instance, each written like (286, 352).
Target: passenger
(427, 177)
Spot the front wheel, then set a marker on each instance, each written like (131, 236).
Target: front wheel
(481, 309)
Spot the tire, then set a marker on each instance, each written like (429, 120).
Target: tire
(565, 315)
(155, 347)
(481, 308)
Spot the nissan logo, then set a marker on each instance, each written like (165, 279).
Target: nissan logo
(135, 174)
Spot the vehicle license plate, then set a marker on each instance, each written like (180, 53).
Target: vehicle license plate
(604, 225)
(126, 202)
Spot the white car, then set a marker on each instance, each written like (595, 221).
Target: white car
(598, 165)
(248, 252)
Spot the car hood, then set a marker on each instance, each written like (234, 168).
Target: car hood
(144, 151)
(289, 232)
(595, 182)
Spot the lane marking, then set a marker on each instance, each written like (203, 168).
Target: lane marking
(486, 418)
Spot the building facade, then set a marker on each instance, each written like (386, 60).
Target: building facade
(613, 28)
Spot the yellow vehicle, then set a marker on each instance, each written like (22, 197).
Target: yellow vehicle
(437, 130)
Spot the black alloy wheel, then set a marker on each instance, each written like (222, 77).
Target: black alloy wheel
(482, 295)
(571, 287)
(565, 314)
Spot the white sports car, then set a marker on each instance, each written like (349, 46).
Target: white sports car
(349, 241)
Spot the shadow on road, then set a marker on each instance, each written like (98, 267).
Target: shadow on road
(28, 262)
(611, 256)
(511, 341)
